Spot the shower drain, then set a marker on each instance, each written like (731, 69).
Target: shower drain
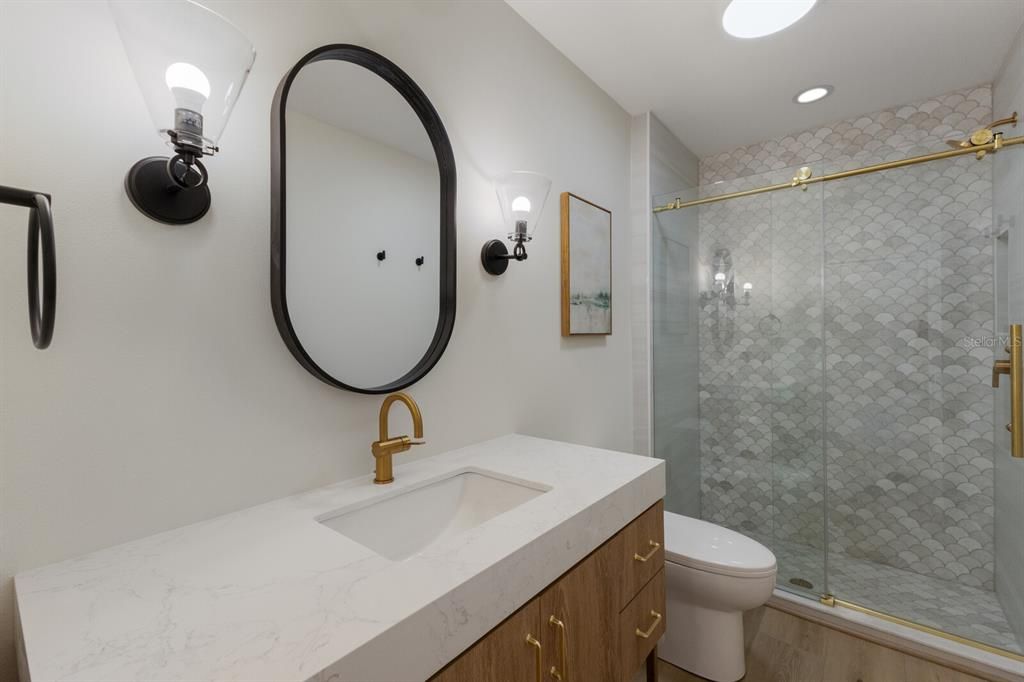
(800, 582)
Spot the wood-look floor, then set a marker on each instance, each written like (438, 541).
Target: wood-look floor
(785, 648)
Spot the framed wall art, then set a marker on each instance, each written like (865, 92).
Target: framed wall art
(586, 267)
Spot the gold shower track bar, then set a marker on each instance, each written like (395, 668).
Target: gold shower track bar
(997, 144)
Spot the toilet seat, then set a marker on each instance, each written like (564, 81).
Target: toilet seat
(707, 547)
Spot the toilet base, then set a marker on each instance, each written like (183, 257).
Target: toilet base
(704, 642)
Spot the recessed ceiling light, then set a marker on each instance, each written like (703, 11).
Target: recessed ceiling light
(756, 18)
(813, 94)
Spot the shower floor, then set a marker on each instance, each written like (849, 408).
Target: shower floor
(957, 609)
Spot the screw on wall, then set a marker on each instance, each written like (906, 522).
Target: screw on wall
(419, 261)
(381, 255)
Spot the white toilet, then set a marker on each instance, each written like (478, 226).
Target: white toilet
(712, 575)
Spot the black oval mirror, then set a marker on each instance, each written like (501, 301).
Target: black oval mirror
(363, 221)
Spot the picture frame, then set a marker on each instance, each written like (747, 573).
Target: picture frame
(586, 267)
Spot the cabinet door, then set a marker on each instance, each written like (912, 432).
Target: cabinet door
(579, 616)
(502, 655)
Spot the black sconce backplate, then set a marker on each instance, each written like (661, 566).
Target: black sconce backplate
(494, 257)
(155, 194)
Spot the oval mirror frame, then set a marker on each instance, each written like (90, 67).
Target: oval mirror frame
(420, 104)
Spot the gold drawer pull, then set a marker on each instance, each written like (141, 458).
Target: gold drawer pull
(564, 674)
(655, 546)
(532, 641)
(657, 619)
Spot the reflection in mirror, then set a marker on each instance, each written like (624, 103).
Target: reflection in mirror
(364, 237)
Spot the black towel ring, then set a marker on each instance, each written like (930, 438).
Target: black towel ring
(42, 308)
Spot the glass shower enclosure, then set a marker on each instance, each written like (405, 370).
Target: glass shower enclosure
(823, 381)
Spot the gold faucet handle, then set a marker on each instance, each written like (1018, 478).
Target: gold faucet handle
(390, 446)
(393, 446)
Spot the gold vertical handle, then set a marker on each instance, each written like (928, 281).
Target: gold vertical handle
(532, 641)
(564, 673)
(1016, 392)
(1015, 368)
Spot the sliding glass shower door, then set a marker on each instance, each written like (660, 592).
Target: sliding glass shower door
(823, 382)
(737, 380)
(910, 338)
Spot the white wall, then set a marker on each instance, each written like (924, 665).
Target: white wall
(640, 276)
(1008, 210)
(167, 396)
(350, 197)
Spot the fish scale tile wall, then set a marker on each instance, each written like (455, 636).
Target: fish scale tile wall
(859, 366)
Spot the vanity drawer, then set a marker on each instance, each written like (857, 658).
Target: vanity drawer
(642, 623)
(643, 551)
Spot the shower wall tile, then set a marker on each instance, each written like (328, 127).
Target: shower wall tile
(857, 349)
(797, 387)
(926, 123)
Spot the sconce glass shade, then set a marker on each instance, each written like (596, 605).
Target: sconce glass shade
(190, 64)
(522, 196)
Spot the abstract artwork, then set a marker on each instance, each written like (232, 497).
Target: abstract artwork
(586, 267)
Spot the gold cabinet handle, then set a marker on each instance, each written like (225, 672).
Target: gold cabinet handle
(655, 546)
(1015, 368)
(644, 634)
(564, 674)
(532, 641)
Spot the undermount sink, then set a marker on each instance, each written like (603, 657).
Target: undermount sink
(405, 524)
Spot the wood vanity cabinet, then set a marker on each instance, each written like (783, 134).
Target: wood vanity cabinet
(599, 622)
(503, 654)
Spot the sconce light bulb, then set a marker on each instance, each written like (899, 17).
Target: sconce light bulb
(719, 276)
(188, 84)
(521, 204)
(747, 286)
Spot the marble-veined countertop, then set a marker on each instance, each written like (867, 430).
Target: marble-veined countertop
(268, 593)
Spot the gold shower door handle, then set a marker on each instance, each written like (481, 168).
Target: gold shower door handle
(1015, 368)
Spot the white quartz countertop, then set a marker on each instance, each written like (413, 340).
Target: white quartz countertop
(269, 593)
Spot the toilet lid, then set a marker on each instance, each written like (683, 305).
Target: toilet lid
(708, 547)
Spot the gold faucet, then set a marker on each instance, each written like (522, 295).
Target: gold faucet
(387, 446)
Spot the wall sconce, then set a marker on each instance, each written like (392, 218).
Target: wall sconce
(522, 196)
(747, 288)
(190, 64)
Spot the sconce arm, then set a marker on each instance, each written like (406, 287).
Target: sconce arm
(518, 252)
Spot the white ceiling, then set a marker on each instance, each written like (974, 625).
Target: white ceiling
(716, 92)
